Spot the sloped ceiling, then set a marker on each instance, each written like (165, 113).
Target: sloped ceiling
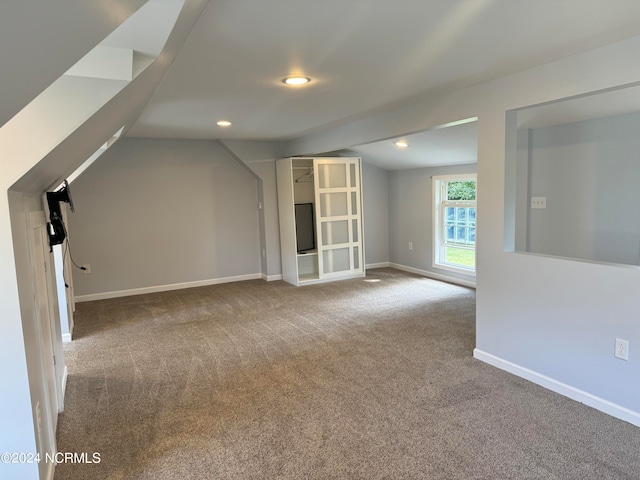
(364, 56)
(40, 40)
(62, 127)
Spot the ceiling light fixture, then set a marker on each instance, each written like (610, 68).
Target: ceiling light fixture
(401, 144)
(296, 80)
(223, 123)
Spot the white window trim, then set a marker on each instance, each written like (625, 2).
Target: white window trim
(437, 214)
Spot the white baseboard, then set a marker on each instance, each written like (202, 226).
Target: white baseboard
(271, 278)
(377, 265)
(166, 288)
(66, 337)
(573, 393)
(435, 276)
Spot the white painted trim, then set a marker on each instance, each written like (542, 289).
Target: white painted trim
(451, 268)
(50, 471)
(435, 276)
(271, 278)
(66, 337)
(166, 288)
(65, 375)
(573, 393)
(377, 265)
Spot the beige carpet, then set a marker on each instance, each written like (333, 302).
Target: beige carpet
(348, 380)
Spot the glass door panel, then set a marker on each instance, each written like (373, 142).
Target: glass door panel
(332, 175)
(352, 175)
(335, 232)
(333, 204)
(354, 230)
(336, 260)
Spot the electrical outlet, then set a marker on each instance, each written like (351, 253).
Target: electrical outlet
(538, 202)
(410, 245)
(87, 268)
(622, 349)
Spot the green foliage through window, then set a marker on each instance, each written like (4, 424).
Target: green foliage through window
(459, 256)
(465, 190)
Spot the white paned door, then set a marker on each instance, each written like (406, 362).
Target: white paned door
(338, 217)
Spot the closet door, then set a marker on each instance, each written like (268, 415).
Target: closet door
(338, 216)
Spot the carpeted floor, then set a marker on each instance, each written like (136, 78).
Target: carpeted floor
(347, 380)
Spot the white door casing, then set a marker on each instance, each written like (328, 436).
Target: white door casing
(45, 322)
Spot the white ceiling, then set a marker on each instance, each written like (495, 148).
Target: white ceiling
(619, 101)
(40, 40)
(452, 145)
(134, 32)
(364, 56)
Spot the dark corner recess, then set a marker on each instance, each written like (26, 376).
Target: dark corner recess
(55, 227)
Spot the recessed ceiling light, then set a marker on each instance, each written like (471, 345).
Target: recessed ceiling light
(296, 80)
(223, 123)
(401, 144)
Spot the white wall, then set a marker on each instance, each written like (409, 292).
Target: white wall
(161, 212)
(260, 158)
(589, 173)
(375, 198)
(548, 319)
(411, 217)
(64, 307)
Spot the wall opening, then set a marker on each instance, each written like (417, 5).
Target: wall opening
(572, 177)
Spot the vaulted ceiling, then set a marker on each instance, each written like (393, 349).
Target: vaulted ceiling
(363, 56)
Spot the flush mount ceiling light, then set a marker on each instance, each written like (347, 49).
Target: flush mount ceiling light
(223, 123)
(296, 80)
(401, 144)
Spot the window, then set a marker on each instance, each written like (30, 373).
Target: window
(455, 222)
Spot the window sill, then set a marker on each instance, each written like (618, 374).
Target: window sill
(452, 268)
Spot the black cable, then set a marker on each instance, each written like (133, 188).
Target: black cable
(68, 248)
